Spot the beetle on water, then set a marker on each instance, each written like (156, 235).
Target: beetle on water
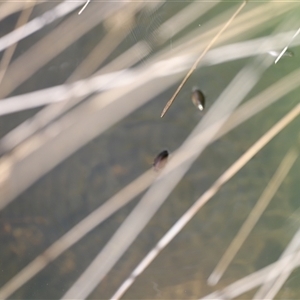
(160, 160)
(198, 99)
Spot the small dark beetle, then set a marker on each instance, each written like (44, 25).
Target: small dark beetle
(198, 99)
(160, 160)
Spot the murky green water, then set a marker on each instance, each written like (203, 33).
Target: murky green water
(84, 181)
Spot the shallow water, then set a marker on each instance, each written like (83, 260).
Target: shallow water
(85, 180)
